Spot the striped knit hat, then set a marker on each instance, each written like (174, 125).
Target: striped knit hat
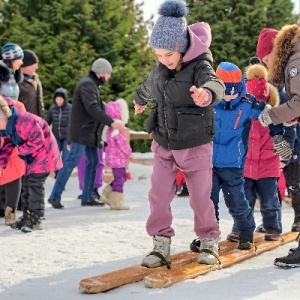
(232, 77)
(11, 52)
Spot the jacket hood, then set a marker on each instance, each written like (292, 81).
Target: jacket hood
(285, 46)
(200, 40)
(118, 110)
(64, 94)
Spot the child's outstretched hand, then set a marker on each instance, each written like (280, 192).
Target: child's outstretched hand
(201, 96)
(138, 108)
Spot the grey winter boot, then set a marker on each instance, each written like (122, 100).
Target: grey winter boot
(105, 194)
(160, 254)
(116, 201)
(208, 253)
(10, 216)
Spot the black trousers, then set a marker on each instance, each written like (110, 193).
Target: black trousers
(33, 193)
(10, 193)
(292, 178)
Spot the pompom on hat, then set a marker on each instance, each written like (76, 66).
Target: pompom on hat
(257, 82)
(265, 42)
(170, 30)
(231, 76)
(11, 52)
(5, 111)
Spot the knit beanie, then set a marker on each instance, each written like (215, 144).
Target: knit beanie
(101, 66)
(30, 58)
(231, 76)
(170, 31)
(265, 42)
(11, 52)
(257, 83)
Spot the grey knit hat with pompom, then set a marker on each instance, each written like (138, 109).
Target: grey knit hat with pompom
(170, 30)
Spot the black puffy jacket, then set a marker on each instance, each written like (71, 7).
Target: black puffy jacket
(58, 116)
(176, 122)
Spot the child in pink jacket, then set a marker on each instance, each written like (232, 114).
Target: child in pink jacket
(117, 153)
(38, 148)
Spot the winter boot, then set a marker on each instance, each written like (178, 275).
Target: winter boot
(32, 222)
(195, 245)
(182, 190)
(105, 194)
(246, 242)
(272, 235)
(116, 201)
(208, 253)
(19, 223)
(296, 224)
(160, 254)
(55, 203)
(233, 236)
(292, 260)
(260, 229)
(10, 216)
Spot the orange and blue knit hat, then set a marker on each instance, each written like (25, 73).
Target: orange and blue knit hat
(231, 76)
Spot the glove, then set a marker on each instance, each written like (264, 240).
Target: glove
(282, 147)
(291, 122)
(264, 117)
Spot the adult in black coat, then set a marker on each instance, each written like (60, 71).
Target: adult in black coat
(87, 121)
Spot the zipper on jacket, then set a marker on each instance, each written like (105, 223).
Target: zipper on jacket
(59, 122)
(237, 119)
(165, 113)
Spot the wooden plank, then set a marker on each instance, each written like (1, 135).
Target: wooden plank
(107, 281)
(166, 278)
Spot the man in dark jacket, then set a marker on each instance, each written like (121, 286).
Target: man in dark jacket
(86, 123)
(31, 92)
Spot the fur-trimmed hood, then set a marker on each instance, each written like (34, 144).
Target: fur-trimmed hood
(286, 45)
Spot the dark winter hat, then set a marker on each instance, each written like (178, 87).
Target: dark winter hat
(11, 52)
(170, 31)
(232, 77)
(30, 58)
(101, 66)
(265, 42)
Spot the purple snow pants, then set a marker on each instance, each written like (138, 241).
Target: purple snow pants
(81, 166)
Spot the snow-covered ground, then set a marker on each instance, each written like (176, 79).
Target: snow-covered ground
(79, 242)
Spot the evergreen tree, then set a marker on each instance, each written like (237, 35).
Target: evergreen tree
(236, 24)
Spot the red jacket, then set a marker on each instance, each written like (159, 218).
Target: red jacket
(15, 167)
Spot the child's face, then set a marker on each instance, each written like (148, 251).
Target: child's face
(171, 59)
(59, 101)
(16, 64)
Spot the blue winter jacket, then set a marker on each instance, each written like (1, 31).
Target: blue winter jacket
(232, 120)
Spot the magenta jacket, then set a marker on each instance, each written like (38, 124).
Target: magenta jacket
(117, 151)
(39, 147)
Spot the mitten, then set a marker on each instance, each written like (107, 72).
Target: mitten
(264, 117)
(282, 147)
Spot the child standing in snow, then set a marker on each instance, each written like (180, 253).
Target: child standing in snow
(117, 153)
(262, 164)
(38, 148)
(183, 86)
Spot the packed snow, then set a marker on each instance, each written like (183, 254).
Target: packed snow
(80, 242)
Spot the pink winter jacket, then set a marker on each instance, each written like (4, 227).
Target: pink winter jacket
(117, 151)
(261, 161)
(39, 143)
